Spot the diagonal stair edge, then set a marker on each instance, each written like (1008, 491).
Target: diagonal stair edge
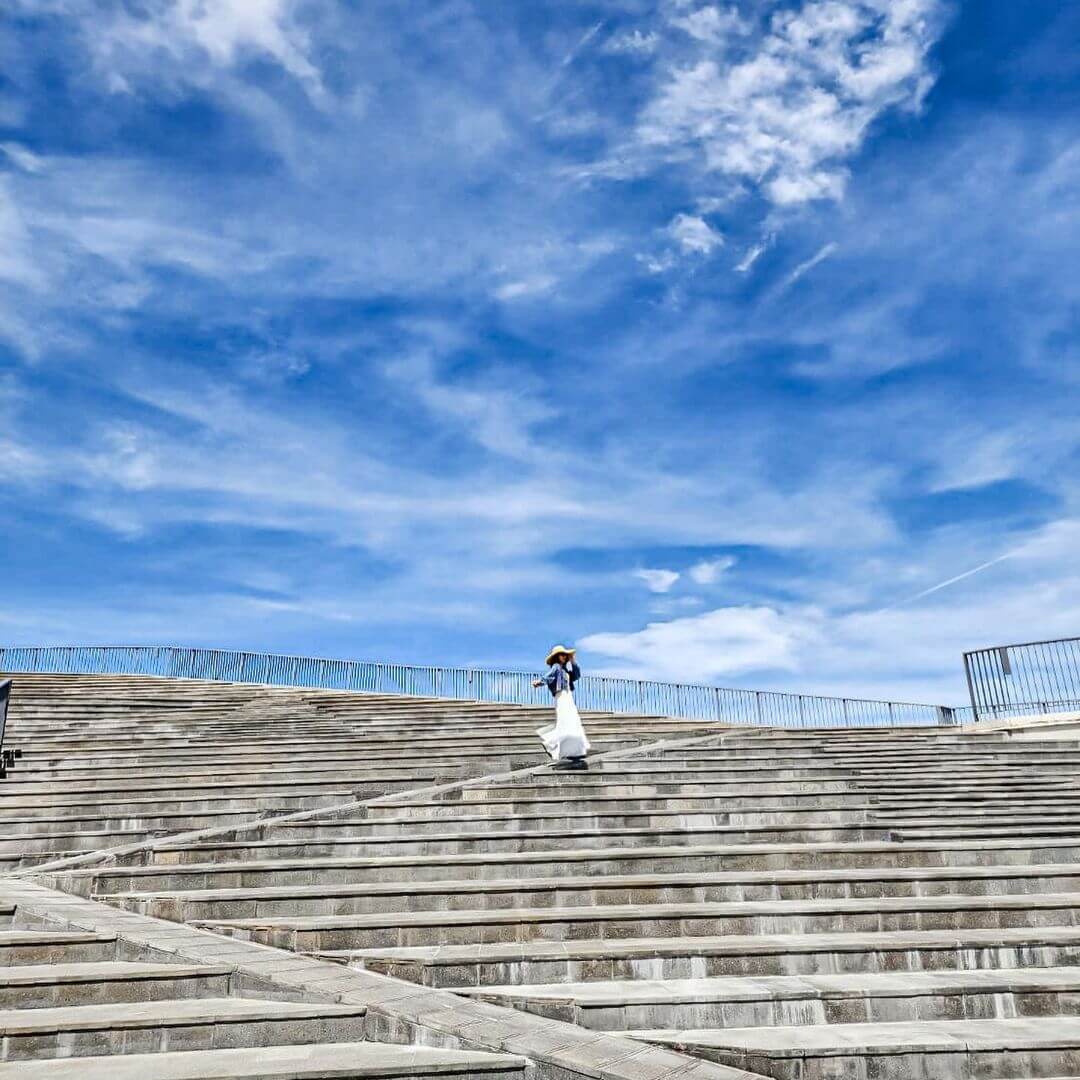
(558, 1049)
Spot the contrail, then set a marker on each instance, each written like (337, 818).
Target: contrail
(806, 267)
(582, 42)
(951, 581)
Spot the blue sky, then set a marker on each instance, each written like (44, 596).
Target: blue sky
(718, 338)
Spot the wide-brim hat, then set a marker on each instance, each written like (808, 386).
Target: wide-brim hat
(556, 649)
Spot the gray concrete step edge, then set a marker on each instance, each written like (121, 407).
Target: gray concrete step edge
(348, 1061)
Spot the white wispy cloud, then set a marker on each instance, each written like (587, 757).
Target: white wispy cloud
(711, 23)
(751, 256)
(131, 43)
(804, 268)
(694, 235)
(725, 642)
(657, 581)
(709, 571)
(25, 159)
(636, 42)
(785, 109)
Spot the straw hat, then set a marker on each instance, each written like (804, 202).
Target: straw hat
(555, 650)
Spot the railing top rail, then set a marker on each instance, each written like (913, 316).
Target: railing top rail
(466, 671)
(1023, 645)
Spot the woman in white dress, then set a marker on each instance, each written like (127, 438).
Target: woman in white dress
(565, 741)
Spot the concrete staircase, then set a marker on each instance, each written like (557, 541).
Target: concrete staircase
(812, 905)
(113, 760)
(115, 770)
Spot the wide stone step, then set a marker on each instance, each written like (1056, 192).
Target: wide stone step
(95, 777)
(293, 843)
(603, 801)
(949, 1049)
(680, 785)
(195, 792)
(14, 846)
(246, 781)
(316, 933)
(987, 827)
(479, 894)
(38, 986)
(256, 857)
(974, 754)
(54, 947)
(326, 1061)
(152, 1026)
(797, 1000)
(676, 957)
(620, 819)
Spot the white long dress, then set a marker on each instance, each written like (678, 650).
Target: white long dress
(566, 739)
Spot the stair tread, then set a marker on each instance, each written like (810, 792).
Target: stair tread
(656, 911)
(104, 970)
(53, 937)
(607, 881)
(883, 847)
(320, 1061)
(162, 1014)
(733, 944)
(958, 1036)
(769, 988)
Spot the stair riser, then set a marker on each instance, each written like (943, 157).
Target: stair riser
(627, 863)
(993, 1065)
(143, 818)
(805, 1012)
(177, 766)
(533, 972)
(180, 910)
(112, 991)
(215, 1036)
(80, 953)
(209, 797)
(689, 819)
(307, 940)
(510, 843)
(29, 784)
(44, 841)
(679, 787)
(492, 807)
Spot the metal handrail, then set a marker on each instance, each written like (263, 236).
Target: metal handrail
(594, 692)
(1024, 679)
(6, 756)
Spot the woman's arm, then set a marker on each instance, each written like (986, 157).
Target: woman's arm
(551, 679)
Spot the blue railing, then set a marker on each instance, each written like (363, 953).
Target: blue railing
(766, 707)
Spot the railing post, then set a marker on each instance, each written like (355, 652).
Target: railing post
(971, 687)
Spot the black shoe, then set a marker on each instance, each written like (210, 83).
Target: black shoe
(571, 763)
